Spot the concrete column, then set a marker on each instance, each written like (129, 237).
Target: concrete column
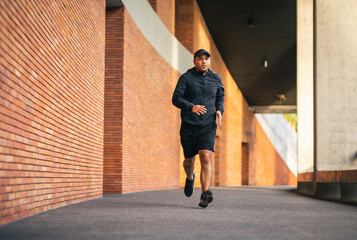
(305, 80)
(327, 87)
(336, 84)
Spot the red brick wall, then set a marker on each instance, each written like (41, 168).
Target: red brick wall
(184, 13)
(166, 11)
(113, 106)
(51, 104)
(141, 149)
(150, 121)
(266, 167)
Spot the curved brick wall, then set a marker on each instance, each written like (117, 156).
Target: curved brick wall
(52, 97)
(141, 142)
(151, 140)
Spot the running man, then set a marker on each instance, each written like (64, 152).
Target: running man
(199, 94)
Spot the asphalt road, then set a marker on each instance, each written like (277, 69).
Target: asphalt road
(235, 213)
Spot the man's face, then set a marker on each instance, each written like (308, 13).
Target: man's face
(202, 62)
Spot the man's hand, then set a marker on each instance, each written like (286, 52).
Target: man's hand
(219, 118)
(199, 109)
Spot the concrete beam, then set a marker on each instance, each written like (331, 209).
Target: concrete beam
(274, 109)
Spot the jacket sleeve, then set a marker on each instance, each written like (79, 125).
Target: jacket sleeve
(220, 97)
(179, 93)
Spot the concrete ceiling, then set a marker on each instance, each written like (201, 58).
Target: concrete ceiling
(244, 48)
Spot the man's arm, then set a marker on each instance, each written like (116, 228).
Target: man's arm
(179, 93)
(220, 97)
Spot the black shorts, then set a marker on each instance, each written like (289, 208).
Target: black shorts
(194, 138)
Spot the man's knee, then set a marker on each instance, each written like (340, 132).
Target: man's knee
(205, 156)
(189, 162)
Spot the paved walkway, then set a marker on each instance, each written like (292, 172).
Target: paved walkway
(235, 213)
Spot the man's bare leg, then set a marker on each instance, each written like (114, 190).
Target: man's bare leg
(206, 169)
(189, 166)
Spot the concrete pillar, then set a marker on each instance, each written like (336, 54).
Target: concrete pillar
(327, 87)
(336, 84)
(305, 88)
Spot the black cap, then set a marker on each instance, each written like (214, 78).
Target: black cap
(200, 52)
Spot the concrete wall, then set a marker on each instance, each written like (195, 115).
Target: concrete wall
(51, 104)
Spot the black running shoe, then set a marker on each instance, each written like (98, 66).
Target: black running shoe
(189, 189)
(206, 198)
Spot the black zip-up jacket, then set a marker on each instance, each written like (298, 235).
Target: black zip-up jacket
(194, 88)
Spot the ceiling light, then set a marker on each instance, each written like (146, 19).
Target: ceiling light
(266, 63)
